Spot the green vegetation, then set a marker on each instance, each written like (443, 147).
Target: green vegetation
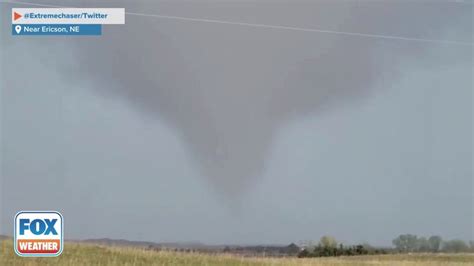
(328, 247)
(407, 243)
(413, 243)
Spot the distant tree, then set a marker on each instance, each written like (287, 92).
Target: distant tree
(361, 250)
(318, 251)
(349, 251)
(435, 243)
(455, 246)
(422, 245)
(406, 243)
(471, 245)
(340, 250)
(328, 247)
(328, 242)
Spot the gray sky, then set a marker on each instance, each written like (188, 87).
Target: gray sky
(170, 130)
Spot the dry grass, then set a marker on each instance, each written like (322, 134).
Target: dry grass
(81, 254)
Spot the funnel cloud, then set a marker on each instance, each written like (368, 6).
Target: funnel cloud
(227, 89)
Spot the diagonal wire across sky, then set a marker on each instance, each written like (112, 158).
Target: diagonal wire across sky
(268, 26)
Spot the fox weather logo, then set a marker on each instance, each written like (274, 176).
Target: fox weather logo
(38, 234)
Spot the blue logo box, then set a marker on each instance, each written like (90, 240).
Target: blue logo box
(57, 29)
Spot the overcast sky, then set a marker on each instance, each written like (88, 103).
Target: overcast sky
(174, 130)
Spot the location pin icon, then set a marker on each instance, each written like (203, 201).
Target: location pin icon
(18, 29)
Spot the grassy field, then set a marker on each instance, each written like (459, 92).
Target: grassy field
(84, 254)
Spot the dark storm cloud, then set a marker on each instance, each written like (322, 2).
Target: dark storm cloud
(226, 89)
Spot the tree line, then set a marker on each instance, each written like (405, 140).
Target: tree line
(407, 243)
(413, 243)
(329, 247)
